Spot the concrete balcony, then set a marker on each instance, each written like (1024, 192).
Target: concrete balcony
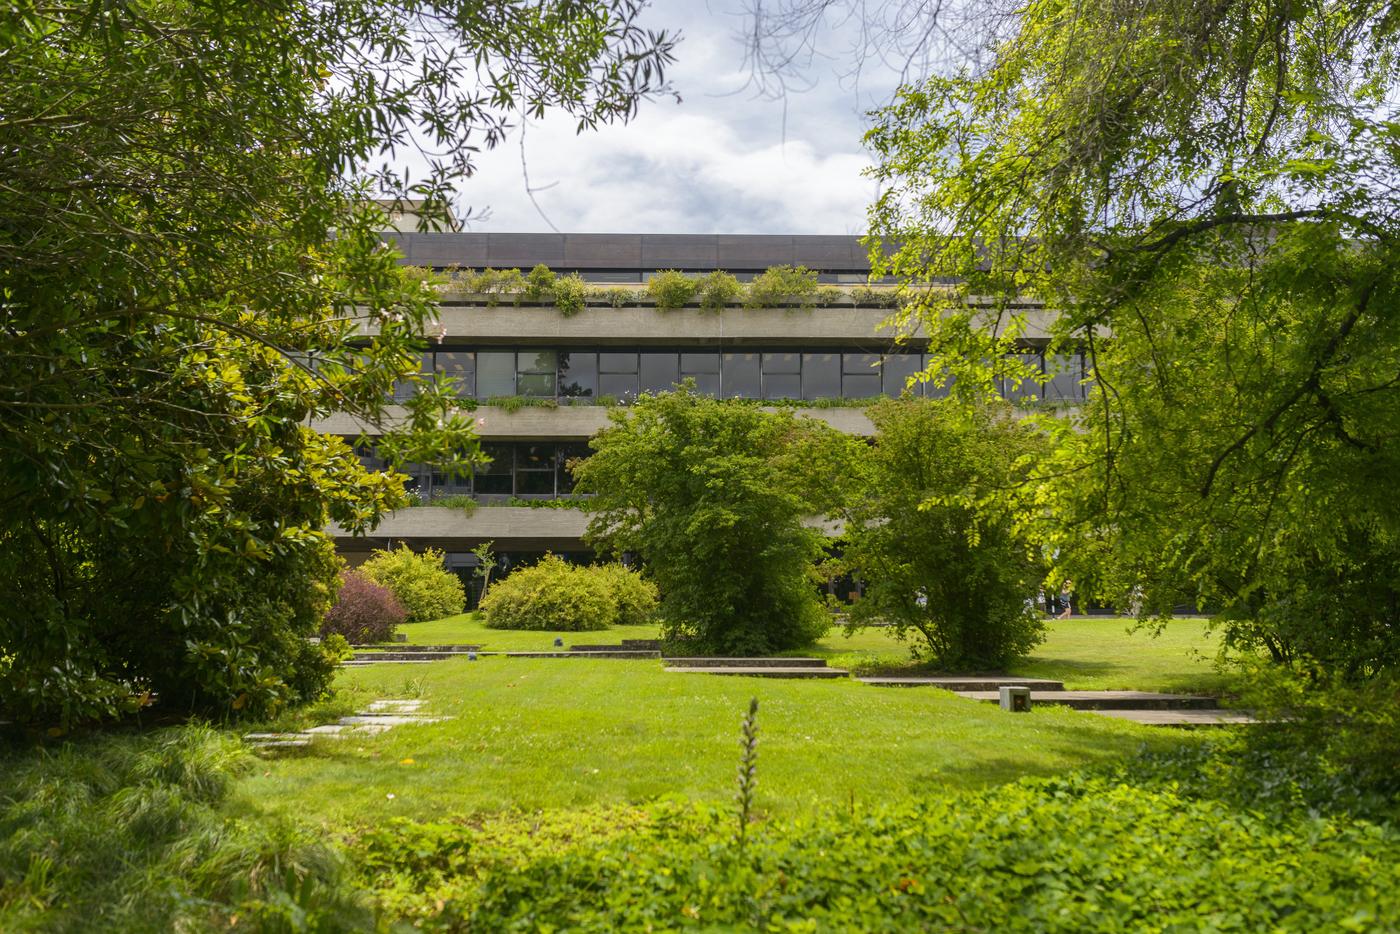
(516, 528)
(566, 422)
(465, 317)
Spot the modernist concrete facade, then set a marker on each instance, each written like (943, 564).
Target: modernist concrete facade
(563, 374)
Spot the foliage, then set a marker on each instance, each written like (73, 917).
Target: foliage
(463, 501)
(934, 540)
(670, 289)
(783, 285)
(493, 283)
(130, 833)
(717, 290)
(512, 404)
(191, 260)
(1202, 183)
(875, 298)
(364, 612)
(1205, 837)
(635, 596)
(418, 580)
(616, 297)
(556, 596)
(712, 495)
(570, 294)
(485, 556)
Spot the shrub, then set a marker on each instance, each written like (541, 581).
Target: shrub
(539, 284)
(552, 596)
(364, 611)
(717, 290)
(493, 283)
(935, 540)
(636, 597)
(671, 289)
(570, 293)
(783, 285)
(875, 298)
(616, 297)
(425, 588)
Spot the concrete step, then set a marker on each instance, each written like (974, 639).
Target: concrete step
(404, 647)
(766, 662)
(398, 655)
(1181, 718)
(964, 682)
(764, 671)
(362, 661)
(1108, 700)
(642, 644)
(607, 653)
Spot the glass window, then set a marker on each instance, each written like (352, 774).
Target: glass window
(614, 362)
(860, 375)
(821, 375)
(534, 470)
(405, 389)
(704, 369)
(1027, 387)
(782, 377)
(495, 477)
(1066, 372)
(567, 453)
(659, 372)
(461, 366)
(740, 376)
(895, 373)
(535, 372)
(782, 363)
(495, 374)
(578, 374)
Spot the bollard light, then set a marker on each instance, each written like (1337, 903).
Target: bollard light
(1015, 698)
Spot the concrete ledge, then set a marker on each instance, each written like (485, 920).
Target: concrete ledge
(566, 422)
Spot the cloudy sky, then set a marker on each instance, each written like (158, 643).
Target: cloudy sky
(723, 160)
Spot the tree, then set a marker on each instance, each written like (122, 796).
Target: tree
(711, 494)
(485, 563)
(942, 557)
(1204, 195)
(190, 271)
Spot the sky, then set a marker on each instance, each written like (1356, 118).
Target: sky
(722, 160)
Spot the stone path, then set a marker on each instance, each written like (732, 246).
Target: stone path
(380, 716)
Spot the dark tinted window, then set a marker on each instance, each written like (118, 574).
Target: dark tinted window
(615, 362)
(931, 389)
(895, 373)
(704, 369)
(578, 374)
(740, 376)
(1067, 371)
(496, 477)
(405, 389)
(567, 453)
(659, 372)
(782, 363)
(821, 375)
(536, 372)
(1027, 387)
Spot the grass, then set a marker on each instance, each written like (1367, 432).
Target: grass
(551, 734)
(1086, 654)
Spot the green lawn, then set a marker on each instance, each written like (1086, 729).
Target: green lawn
(548, 734)
(1087, 654)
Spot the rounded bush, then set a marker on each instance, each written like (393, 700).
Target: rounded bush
(420, 582)
(556, 596)
(636, 597)
(363, 612)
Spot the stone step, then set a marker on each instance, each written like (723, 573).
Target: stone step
(608, 653)
(396, 655)
(1108, 700)
(964, 682)
(764, 671)
(402, 647)
(362, 661)
(642, 644)
(1181, 718)
(723, 662)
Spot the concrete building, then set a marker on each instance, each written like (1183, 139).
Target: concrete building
(544, 381)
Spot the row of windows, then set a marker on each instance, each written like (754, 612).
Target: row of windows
(623, 374)
(527, 470)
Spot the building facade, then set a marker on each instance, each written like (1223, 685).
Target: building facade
(544, 382)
